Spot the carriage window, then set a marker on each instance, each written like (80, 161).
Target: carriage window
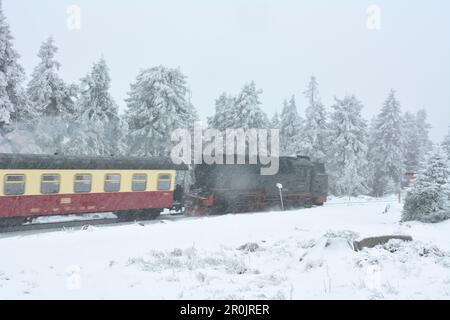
(50, 183)
(14, 185)
(164, 182)
(139, 182)
(112, 182)
(83, 183)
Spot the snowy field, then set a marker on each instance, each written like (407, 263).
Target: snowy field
(289, 255)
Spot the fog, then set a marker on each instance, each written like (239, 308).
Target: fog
(220, 45)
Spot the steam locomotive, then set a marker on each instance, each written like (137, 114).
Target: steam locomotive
(220, 189)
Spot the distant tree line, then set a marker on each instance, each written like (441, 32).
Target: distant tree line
(361, 157)
(47, 115)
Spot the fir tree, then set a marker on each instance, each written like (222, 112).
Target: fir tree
(446, 144)
(290, 129)
(315, 129)
(371, 146)
(47, 92)
(349, 149)
(428, 199)
(417, 141)
(275, 121)
(423, 129)
(95, 102)
(98, 124)
(246, 112)
(158, 103)
(13, 104)
(388, 154)
(222, 117)
(413, 155)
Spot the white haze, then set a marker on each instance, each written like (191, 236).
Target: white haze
(220, 45)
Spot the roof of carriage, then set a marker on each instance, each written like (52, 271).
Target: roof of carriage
(61, 162)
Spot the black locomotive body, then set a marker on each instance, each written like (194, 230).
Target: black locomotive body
(221, 189)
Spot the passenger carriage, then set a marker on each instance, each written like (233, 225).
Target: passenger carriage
(36, 186)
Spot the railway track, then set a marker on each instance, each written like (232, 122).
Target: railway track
(80, 224)
(84, 224)
(57, 225)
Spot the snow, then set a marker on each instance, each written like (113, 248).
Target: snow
(69, 218)
(302, 254)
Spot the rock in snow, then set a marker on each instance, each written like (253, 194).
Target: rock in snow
(376, 241)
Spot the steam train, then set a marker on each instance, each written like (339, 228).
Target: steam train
(235, 188)
(141, 188)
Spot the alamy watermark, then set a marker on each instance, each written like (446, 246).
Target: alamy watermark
(373, 279)
(73, 21)
(73, 280)
(373, 21)
(234, 146)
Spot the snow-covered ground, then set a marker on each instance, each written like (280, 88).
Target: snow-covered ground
(282, 255)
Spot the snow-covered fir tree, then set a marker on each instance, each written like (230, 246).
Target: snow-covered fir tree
(13, 104)
(349, 148)
(388, 153)
(47, 92)
(97, 129)
(413, 156)
(370, 181)
(95, 102)
(275, 122)
(222, 117)
(428, 199)
(446, 144)
(246, 112)
(290, 128)
(417, 141)
(158, 103)
(315, 131)
(423, 128)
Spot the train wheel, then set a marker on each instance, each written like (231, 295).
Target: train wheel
(308, 203)
(151, 214)
(220, 207)
(125, 216)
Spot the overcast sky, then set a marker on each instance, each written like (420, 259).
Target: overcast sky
(220, 45)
